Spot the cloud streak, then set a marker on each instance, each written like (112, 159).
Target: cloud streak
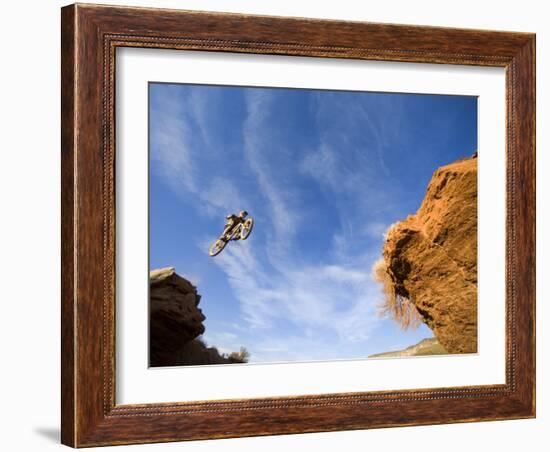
(180, 153)
(257, 148)
(337, 300)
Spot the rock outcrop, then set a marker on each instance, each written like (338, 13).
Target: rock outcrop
(176, 322)
(174, 316)
(431, 257)
(425, 347)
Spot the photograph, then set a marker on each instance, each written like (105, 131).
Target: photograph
(278, 226)
(297, 225)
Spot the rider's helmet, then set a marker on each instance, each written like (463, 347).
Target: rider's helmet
(243, 213)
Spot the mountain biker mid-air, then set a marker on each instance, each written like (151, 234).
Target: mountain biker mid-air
(237, 227)
(233, 220)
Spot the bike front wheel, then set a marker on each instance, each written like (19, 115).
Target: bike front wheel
(246, 228)
(217, 247)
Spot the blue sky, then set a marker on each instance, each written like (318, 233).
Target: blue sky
(323, 174)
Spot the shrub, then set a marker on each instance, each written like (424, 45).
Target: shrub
(239, 357)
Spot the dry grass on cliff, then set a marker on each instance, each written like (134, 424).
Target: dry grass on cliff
(399, 308)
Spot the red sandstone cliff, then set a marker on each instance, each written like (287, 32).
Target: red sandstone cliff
(431, 257)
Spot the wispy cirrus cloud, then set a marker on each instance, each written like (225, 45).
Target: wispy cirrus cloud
(172, 147)
(335, 298)
(352, 125)
(182, 155)
(261, 153)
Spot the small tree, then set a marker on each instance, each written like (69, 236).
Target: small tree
(239, 357)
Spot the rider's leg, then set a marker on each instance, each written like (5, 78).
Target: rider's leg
(227, 228)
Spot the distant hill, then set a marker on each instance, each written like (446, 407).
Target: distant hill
(424, 348)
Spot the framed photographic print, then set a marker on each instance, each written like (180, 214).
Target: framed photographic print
(281, 225)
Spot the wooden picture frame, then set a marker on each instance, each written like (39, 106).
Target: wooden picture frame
(90, 36)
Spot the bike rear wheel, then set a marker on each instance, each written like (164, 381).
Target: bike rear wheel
(246, 228)
(217, 247)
